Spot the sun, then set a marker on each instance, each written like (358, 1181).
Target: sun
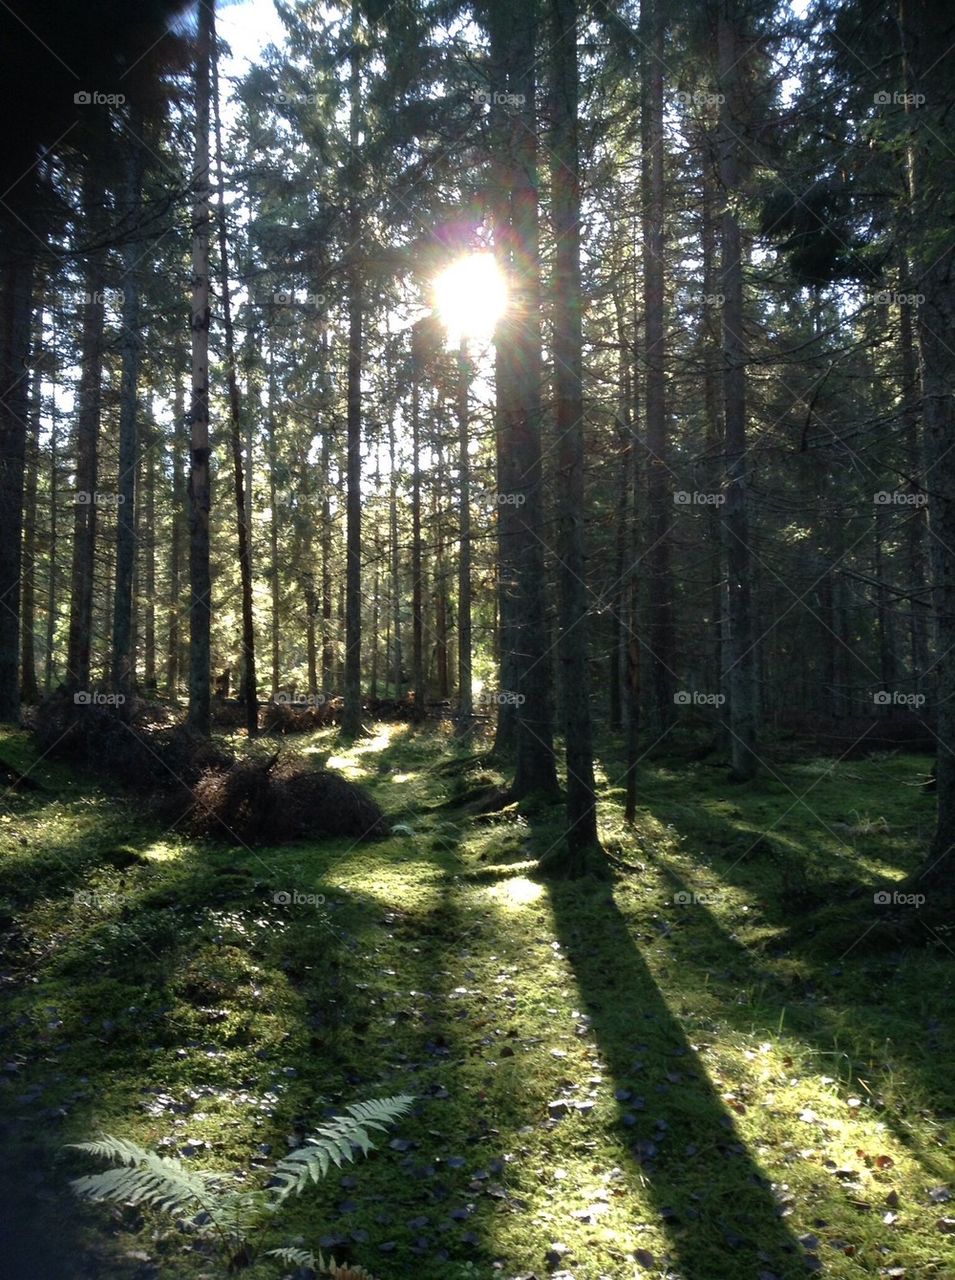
(470, 296)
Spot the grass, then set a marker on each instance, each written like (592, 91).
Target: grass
(723, 1065)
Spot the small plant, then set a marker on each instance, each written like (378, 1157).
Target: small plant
(214, 1207)
(866, 826)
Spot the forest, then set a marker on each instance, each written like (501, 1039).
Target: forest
(477, 639)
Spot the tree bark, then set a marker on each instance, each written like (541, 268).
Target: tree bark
(243, 496)
(123, 663)
(351, 716)
(740, 656)
(583, 854)
(79, 640)
(200, 498)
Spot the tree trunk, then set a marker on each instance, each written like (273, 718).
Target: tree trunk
(417, 591)
(351, 716)
(328, 647)
(465, 688)
(535, 770)
(200, 502)
(276, 595)
(660, 633)
(740, 664)
(79, 641)
(174, 644)
(29, 689)
(934, 76)
(16, 308)
(243, 497)
(582, 855)
(123, 663)
(54, 538)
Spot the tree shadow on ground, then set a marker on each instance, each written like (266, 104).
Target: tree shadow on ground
(718, 1208)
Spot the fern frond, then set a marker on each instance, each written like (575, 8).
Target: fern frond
(296, 1257)
(320, 1264)
(338, 1141)
(142, 1178)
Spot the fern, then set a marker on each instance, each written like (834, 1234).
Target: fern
(144, 1178)
(320, 1264)
(230, 1213)
(338, 1140)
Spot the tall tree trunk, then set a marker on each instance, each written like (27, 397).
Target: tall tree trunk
(440, 579)
(741, 664)
(243, 497)
(535, 770)
(928, 32)
(582, 855)
(178, 448)
(660, 631)
(417, 586)
(351, 716)
(465, 687)
(396, 672)
(200, 498)
(17, 256)
(79, 640)
(714, 422)
(123, 662)
(53, 536)
(276, 595)
(149, 553)
(328, 647)
(916, 522)
(29, 689)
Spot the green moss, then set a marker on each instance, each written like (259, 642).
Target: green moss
(715, 1071)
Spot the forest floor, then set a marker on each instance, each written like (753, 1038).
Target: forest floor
(724, 1065)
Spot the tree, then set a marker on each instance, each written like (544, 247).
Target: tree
(583, 849)
(200, 478)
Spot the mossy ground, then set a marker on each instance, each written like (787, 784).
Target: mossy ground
(724, 1065)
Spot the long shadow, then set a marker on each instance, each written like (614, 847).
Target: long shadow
(810, 1019)
(715, 1202)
